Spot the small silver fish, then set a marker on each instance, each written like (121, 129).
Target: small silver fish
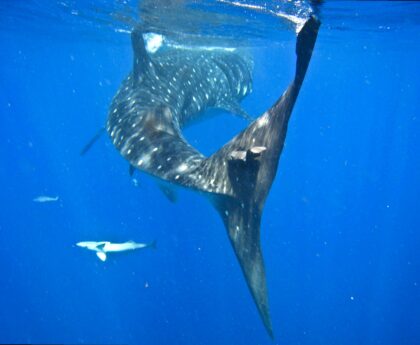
(103, 247)
(45, 198)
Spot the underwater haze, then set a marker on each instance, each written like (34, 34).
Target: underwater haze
(340, 227)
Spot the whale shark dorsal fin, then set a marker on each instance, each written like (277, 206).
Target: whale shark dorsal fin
(101, 256)
(142, 63)
(236, 109)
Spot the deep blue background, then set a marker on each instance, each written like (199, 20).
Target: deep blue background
(340, 230)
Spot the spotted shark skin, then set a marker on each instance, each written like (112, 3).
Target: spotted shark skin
(162, 96)
(167, 91)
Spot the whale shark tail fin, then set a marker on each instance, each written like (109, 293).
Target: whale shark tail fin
(246, 167)
(304, 46)
(242, 222)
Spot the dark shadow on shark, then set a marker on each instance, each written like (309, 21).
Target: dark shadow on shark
(170, 89)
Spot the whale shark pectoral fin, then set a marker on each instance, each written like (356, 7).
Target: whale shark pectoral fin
(101, 256)
(169, 192)
(92, 141)
(236, 109)
(131, 170)
(142, 63)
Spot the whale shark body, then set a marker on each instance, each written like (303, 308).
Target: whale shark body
(170, 89)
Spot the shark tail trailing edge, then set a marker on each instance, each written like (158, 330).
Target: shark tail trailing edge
(153, 244)
(251, 160)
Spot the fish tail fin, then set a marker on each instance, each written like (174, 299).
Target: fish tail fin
(245, 168)
(304, 46)
(241, 214)
(153, 244)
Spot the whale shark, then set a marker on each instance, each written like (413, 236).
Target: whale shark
(103, 247)
(172, 88)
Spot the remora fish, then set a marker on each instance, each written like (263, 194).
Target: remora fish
(103, 247)
(167, 91)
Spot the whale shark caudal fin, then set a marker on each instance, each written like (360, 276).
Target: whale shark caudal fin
(250, 163)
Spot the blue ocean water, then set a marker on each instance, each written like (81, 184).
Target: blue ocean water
(340, 229)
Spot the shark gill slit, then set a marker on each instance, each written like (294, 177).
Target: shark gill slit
(167, 91)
